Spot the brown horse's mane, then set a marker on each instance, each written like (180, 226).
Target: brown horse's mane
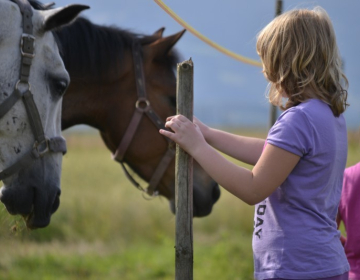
(92, 51)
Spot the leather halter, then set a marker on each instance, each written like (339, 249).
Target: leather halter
(42, 144)
(143, 107)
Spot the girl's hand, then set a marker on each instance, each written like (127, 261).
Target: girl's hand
(203, 127)
(185, 133)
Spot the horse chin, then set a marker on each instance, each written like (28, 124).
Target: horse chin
(197, 211)
(36, 208)
(29, 219)
(202, 203)
(172, 206)
(33, 223)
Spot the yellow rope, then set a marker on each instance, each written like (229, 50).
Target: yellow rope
(205, 39)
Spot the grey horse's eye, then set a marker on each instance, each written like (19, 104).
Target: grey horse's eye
(59, 86)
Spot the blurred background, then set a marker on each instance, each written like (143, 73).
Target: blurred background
(105, 228)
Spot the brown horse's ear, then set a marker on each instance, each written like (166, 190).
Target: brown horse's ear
(152, 38)
(159, 33)
(162, 46)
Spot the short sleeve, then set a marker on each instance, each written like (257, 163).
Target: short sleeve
(292, 132)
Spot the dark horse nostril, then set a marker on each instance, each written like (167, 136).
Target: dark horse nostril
(216, 192)
(56, 203)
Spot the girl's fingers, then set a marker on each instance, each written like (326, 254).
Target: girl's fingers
(182, 118)
(177, 117)
(166, 133)
(175, 124)
(171, 125)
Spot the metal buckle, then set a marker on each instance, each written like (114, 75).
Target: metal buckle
(27, 37)
(42, 148)
(142, 104)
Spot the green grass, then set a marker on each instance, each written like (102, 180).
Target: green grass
(105, 229)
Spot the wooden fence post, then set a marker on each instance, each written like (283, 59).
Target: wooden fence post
(184, 178)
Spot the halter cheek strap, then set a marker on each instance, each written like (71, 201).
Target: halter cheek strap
(27, 43)
(143, 108)
(42, 144)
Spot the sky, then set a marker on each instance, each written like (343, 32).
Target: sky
(228, 92)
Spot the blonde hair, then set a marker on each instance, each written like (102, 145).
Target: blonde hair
(301, 59)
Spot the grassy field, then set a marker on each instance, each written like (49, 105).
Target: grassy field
(105, 229)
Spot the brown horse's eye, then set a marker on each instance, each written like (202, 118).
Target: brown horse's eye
(172, 101)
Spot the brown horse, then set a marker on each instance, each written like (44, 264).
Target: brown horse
(104, 90)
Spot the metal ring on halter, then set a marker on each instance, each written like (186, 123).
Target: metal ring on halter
(20, 82)
(42, 148)
(140, 102)
(149, 197)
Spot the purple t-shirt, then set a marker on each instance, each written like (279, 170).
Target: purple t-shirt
(295, 231)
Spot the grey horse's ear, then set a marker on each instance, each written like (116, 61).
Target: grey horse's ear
(62, 16)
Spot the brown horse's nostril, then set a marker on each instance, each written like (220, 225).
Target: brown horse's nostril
(216, 192)
(56, 203)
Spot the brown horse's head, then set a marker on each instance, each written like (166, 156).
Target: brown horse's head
(103, 94)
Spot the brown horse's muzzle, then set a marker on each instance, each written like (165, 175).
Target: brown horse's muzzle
(203, 201)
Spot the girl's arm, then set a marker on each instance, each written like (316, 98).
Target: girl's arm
(245, 149)
(272, 168)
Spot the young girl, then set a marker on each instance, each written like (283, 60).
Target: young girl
(349, 213)
(298, 171)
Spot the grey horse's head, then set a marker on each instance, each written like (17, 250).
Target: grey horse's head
(33, 190)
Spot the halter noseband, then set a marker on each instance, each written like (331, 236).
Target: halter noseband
(143, 107)
(42, 144)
